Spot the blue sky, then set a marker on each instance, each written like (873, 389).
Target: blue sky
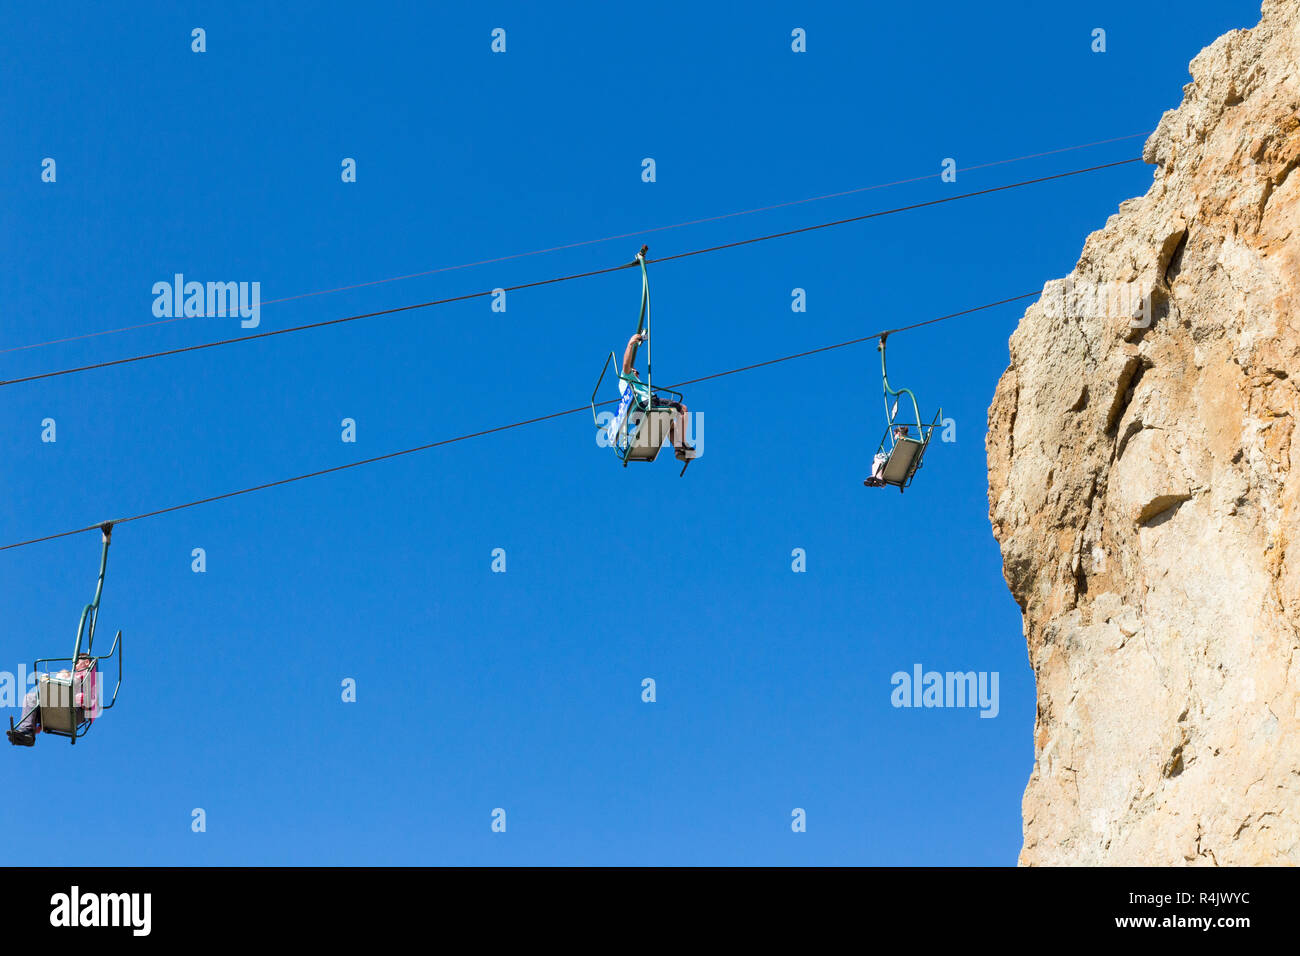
(522, 690)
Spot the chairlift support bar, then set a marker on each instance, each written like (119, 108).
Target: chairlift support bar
(91, 610)
(644, 320)
(890, 416)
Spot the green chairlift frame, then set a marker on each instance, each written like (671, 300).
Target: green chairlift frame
(905, 452)
(640, 424)
(61, 714)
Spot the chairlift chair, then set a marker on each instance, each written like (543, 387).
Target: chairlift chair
(70, 705)
(904, 449)
(640, 427)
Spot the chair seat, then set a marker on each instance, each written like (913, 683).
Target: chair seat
(902, 460)
(649, 432)
(58, 713)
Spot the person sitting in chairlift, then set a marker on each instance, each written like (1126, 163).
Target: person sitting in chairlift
(645, 401)
(877, 479)
(24, 734)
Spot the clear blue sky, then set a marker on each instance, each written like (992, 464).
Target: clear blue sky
(522, 690)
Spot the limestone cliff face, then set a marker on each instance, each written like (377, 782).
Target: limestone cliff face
(1140, 487)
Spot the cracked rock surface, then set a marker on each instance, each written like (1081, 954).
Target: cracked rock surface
(1139, 454)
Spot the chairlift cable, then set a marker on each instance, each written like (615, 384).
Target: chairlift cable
(566, 278)
(589, 242)
(502, 428)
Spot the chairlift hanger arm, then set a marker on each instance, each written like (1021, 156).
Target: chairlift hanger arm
(642, 333)
(643, 321)
(896, 392)
(107, 529)
(90, 613)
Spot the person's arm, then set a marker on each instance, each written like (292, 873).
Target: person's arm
(629, 354)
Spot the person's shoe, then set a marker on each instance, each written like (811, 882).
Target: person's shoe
(874, 482)
(685, 453)
(20, 739)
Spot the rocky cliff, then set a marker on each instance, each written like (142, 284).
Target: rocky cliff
(1139, 454)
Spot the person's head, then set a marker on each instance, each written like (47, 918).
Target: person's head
(84, 662)
(63, 674)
